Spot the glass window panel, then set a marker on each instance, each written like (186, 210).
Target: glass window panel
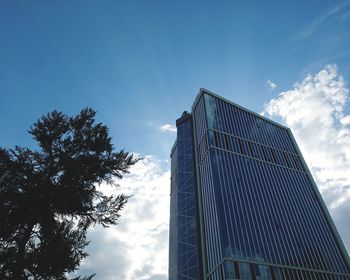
(253, 270)
(227, 142)
(211, 138)
(216, 139)
(234, 145)
(236, 270)
(263, 273)
(273, 156)
(229, 270)
(244, 271)
(240, 146)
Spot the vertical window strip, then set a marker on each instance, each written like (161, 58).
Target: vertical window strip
(222, 271)
(223, 116)
(215, 225)
(289, 142)
(278, 138)
(263, 152)
(291, 161)
(201, 116)
(286, 159)
(266, 235)
(227, 119)
(284, 211)
(255, 211)
(210, 138)
(297, 163)
(207, 214)
(252, 271)
(294, 206)
(204, 118)
(205, 207)
(338, 264)
(316, 239)
(218, 115)
(269, 134)
(238, 233)
(198, 119)
(222, 141)
(227, 142)
(301, 214)
(215, 112)
(273, 132)
(291, 206)
(247, 223)
(261, 213)
(224, 204)
(236, 270)
(240, 146)
(274, 207)
(247, 148)
(279, 157)
(258, 127)
(243, 123)
(238, 122)
(281, 134)
(270, 212)
(274, 160)
(250, 124)
(231, 117)
(263, 132)
(252, 151)
(211, 203)
(272, 273)
(238, 201)
(251, 234)
(229, 224)
(251, 121)
(285, 141)
(216, 140)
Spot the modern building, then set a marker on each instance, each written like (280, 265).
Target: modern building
(243, 202)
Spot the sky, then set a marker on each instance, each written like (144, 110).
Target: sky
(140, 64)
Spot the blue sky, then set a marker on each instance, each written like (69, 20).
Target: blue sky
(141, 63)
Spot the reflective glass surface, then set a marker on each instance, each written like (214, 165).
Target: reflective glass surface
(183, 249)
(259, 206)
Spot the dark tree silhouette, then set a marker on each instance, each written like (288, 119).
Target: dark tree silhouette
(48, 198)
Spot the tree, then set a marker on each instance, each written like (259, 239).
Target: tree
(48, 198)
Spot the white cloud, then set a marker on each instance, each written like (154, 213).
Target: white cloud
(315, 110)
(271, 84)
(137, 248)
(167, 128)
(345, 120)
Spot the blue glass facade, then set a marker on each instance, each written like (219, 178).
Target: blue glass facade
(260, 215)
(183, 249)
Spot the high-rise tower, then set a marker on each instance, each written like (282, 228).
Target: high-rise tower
(243, 202)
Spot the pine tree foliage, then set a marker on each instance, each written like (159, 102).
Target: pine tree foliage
(48, 197)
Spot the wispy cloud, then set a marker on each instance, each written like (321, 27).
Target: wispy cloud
(271, 84)
(337, 11)
(167, 128)
(315, 110)
(137, 248)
